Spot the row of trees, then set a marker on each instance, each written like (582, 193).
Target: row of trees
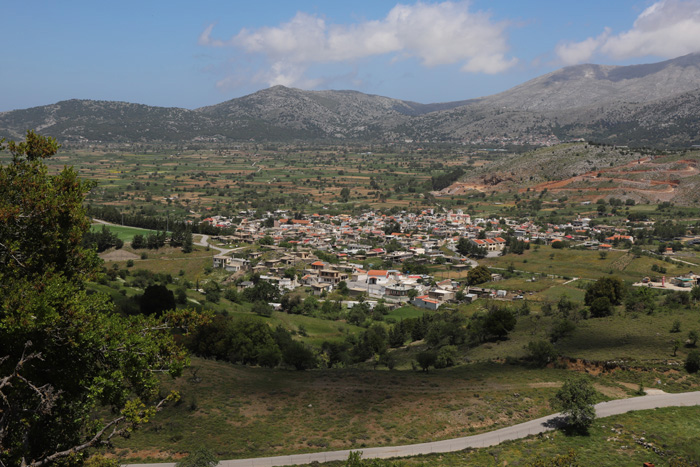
(151, 222)
(181, 236)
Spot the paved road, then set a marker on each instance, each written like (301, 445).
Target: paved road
(204, 241)
(522, 430)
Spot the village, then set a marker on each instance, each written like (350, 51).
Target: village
(375, 256)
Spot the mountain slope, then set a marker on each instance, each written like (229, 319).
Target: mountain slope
(650, 105)
(592, 85)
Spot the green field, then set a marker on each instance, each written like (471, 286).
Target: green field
(125, 233)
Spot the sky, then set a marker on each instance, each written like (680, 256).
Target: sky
(192, 54)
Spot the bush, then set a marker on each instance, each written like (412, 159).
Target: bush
(262, 309)
(202, 457)
(446, 356)
(541, 352)
(692, 362)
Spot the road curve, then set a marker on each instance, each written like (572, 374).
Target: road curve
(522, 430)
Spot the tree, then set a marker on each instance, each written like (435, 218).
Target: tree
(262, 309)
(446, 356)
(468, 248)
(426, 359)
(157, 299)
(541, 352)
(138, 241)
(298, 355)
(692, 361)
(576, 399)
(601, 307)
(64, 352)
(695, 293)
(478, 275)
(499, 321)
(212, 291)
(610, 287)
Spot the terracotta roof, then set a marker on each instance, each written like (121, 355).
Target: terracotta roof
(378, 272)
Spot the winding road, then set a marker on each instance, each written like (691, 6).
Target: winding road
(522, 430)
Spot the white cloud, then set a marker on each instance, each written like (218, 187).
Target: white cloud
(434, 33)
(666, 29)
(578, 52)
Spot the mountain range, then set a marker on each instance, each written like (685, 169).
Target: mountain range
(639, 105)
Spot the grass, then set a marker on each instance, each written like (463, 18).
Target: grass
(169, 260)
(586, 264)
(241, 412)
(612, 441)
(123, 232)
(406, 311)
(317, 330)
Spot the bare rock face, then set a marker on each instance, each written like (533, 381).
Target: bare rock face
(652, 105)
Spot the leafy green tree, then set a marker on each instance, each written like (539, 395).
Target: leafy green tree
(610, 287)
(138, 241)
(300, 356)
(601, 307)
(342, 288)
(212, 291)
(266, 240)
(541, 352)
(695, 293)
(262, 309)
(561, 328)
(187, 241)
(576, 399)
(102, 240)
(499, 321)
(156, 299)
(446, 356)
(397, 336)
(692, 361)
(262, 290)
(426, 359)
(65, 353)
(468, 248)
(478, 275)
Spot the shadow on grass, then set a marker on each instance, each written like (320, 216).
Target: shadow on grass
(561, 423)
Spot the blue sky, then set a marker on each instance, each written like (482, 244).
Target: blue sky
(187, 54)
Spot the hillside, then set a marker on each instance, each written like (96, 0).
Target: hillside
(640, 105)
(594, 170)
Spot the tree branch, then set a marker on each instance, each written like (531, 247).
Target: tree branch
(94, 441)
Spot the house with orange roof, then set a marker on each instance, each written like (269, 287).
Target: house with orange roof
(424, 301)
(620, 238)
(377, 276)
(318, 265)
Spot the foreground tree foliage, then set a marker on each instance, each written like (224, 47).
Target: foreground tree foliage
(65, 356)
